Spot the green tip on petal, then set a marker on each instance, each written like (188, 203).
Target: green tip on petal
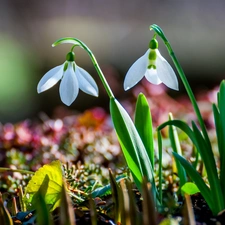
(65, 66)
(153, 44)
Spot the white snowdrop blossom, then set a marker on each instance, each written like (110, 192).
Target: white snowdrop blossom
(72, 79)
(154, 67)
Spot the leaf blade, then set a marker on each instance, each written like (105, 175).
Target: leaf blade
(143, 124)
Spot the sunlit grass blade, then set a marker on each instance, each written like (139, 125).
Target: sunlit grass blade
(219, 130)
(5, 217)
(175, 143)
(132, 145)
(129, 210)
(93, 212)
(21, 196)
(149, 212)
(196, 177)
(67, 213)
(117, 198)
(160, 165)
(195, 154)
(221, 143)
(42, 209)
(181, 125)
(210, 165)
(143, 124)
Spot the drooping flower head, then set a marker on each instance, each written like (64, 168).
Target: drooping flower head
(154, 67)
(72, 78)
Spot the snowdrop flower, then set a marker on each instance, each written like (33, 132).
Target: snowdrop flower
(72, 78)
(154, 67)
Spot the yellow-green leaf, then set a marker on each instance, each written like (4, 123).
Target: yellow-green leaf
(190, 188)
(53, 187)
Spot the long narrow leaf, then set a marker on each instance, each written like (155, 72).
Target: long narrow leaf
(67, 212)
(195, 176)
(129, 210)
(220, 128)
(160, 165)
(132, 145)
(143, 124)
(175, 143)
(117, 198)
(181, 125)
(210, 165)
(207, 156)
(149, 212)
(5, 216)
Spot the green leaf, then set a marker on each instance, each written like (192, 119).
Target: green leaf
(169, 221)
(195, 176)
(67, 212)
(148, 205)
(160, 164)
(52, 186)
(117, 198)
(210, 165)
(93, 212)
(43, 215)
(131, 144)
(106, 190)
(182, 125)
(190, 188)
(143, 124)
(175, 143)
(220, 129)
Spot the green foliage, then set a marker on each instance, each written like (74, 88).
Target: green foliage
(48, 180)
(175, 144)
(67, 216)
(143, 124)
(42, 209)
(190, 188)
(219, 117)
(132, 145)
(196, 177)
(148, 205)
(106, 189)
(117, 198)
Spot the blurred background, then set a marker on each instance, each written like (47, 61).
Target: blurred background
(116, 31)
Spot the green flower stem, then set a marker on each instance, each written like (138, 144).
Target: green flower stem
(2, 169)
(159, 31)
(77, 42)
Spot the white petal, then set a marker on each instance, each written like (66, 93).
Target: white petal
(50, 78)
(86, 82)
(152, 76)
(69, 88)
(136, 71)
(166, 73)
